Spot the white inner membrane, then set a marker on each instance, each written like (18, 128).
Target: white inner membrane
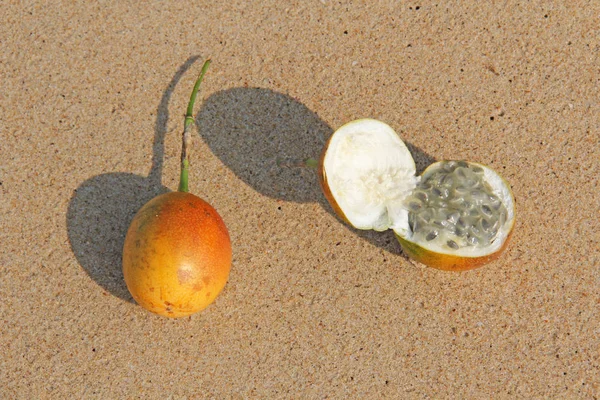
(370, 172)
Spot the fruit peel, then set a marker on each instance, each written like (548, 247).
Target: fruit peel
(447, 262)
(177, 255)
(325, 186)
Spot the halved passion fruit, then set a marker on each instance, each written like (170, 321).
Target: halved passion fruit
(456, 216)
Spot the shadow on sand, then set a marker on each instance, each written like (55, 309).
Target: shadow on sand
(253, 131)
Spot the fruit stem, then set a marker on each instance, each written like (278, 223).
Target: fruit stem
(306, 163)
(311, 163)
(187, 135)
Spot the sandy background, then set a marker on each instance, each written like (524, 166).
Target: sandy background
(92, 98)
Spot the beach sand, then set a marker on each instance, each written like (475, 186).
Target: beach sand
(92, 100)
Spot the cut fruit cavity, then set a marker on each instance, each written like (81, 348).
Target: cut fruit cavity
(458, 215)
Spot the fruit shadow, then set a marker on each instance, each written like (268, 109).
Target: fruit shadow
(264, 136)
(102, 207)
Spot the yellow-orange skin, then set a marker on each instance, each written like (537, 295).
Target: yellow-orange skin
(177, 255)
(446, 262)
(325, 186)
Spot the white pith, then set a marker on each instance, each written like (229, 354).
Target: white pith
(370, 171)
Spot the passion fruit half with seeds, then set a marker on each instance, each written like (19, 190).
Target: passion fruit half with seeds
(456, 216)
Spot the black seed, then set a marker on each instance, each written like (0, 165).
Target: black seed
(414, 226)
(485, 224)
(487, 210)
(452, 244)
(431, 235)
(415, 206)
(421, 196)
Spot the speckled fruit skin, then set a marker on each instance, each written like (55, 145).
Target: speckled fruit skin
(177, 255)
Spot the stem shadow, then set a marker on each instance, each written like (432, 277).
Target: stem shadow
(102, 207)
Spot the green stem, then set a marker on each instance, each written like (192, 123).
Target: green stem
(187, 136)
(312, 163)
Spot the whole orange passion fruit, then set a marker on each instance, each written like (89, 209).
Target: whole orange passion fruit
(177, 251)
(177, 255)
